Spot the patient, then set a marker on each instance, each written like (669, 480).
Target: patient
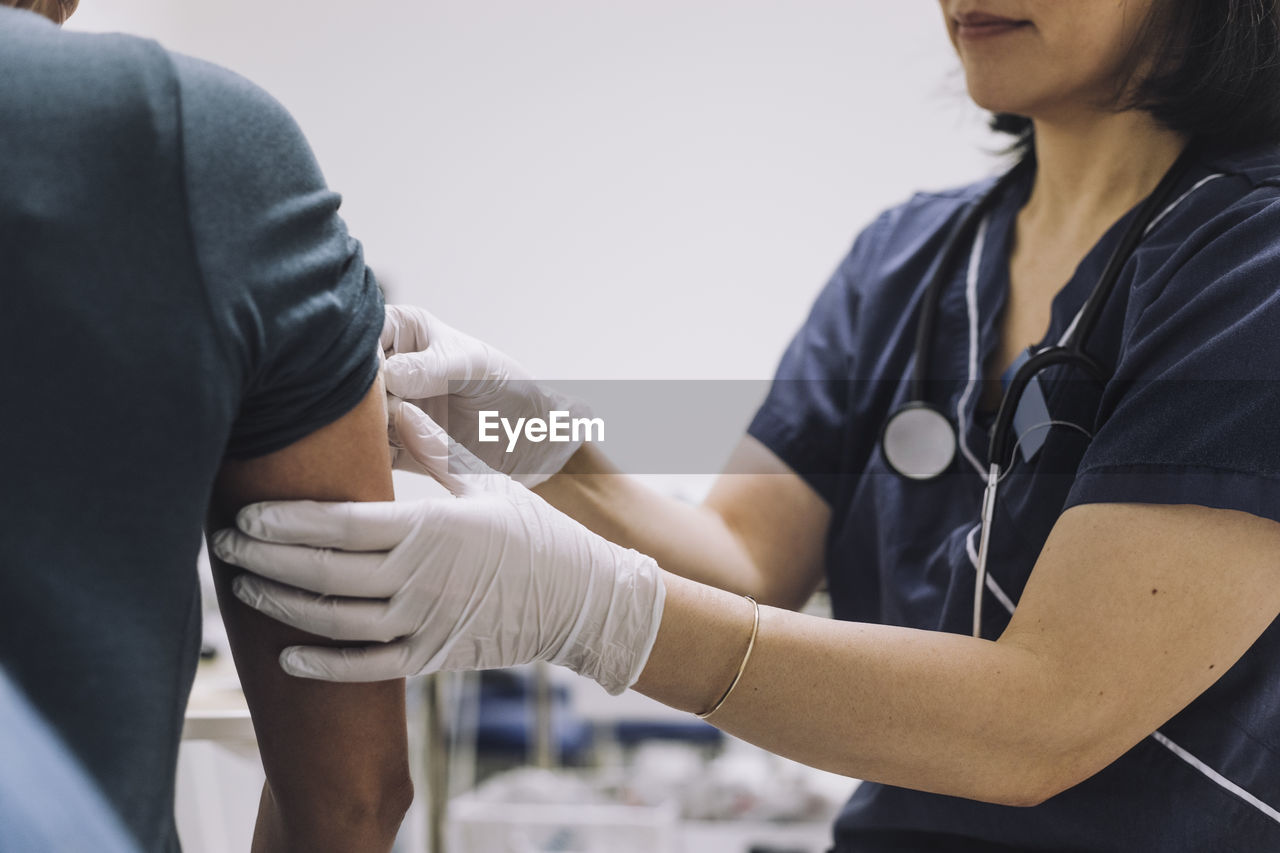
(185, 327)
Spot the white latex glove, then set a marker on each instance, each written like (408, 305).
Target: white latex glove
(491, 576)
(453, 377)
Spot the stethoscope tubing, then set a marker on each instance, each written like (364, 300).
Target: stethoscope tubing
(1069, 352)
(959, 236)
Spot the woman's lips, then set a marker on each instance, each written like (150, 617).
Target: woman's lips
(980, 26)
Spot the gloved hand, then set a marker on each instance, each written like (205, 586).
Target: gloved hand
(453, 377)
(491, 576)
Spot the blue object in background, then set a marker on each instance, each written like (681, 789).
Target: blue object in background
(695, 731)
(47, 803)
(505, 724)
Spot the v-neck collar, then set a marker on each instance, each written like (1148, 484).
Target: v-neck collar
(994, 281)
(992, 287)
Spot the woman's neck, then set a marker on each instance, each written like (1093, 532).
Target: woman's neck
(1090, 171)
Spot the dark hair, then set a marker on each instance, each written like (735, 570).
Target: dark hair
(1214, 72)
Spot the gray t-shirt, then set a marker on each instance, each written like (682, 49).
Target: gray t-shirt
(176, 287)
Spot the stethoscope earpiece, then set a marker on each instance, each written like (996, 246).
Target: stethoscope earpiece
(918, 441)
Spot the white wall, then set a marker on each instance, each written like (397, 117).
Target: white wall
(603, 189)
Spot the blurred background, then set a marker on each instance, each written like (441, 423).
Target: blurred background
(604, 190)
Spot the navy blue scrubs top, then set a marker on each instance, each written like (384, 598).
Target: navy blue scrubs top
(1191, 416)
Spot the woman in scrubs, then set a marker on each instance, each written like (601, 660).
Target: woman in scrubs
(1124, 692)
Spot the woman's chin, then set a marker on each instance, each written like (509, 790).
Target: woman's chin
(998, 99)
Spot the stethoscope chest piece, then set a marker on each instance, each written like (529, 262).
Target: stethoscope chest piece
(918, 441)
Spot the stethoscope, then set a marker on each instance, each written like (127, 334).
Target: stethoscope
(919, 441)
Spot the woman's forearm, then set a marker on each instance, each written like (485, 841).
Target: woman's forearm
(689, 540)
(1131, 612)
(927, 710)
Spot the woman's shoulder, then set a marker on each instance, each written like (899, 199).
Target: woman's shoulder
(927, 211)
(908, 235)
(1237, 189)
(1231, 208)
(1257, 165)
(1215, 256)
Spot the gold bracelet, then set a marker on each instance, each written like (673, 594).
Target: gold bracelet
(755, 628)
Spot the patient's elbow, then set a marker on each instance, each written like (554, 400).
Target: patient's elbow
(350, 817)
(381, 810)
(393, 804)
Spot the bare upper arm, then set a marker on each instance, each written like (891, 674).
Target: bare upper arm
(779, 519)
(1134, 610)
(335, 754)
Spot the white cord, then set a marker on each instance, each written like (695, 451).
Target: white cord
(987, 517)
(1032, 428)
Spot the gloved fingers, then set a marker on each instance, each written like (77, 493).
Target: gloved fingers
(449, 463)
(321, 570)
(336, 617)
(406, 328)
(416, 375)
(353, 663)
(425, 443)
(402, 460)
(346, 525)
(390, 322)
